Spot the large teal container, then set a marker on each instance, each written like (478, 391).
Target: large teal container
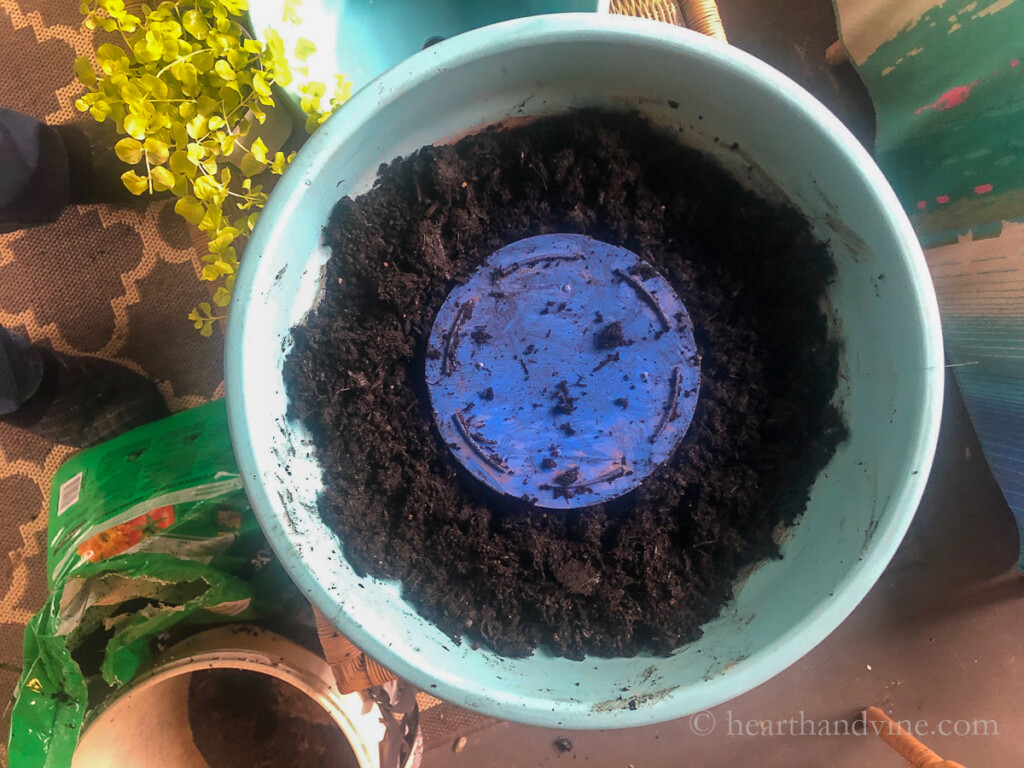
(881, 305)
(361, 39)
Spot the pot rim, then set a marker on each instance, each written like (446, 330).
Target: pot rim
(264, 652)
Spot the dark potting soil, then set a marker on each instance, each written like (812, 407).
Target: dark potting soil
(243, 719)
(646, 570)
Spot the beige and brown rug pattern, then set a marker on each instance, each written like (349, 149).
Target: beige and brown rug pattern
(111, 282)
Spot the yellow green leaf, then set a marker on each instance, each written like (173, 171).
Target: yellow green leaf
(170, 50)
(275, 44)
(228, 254)
(129, 22)
(250, 166)
(259, 84)
(204, 61)
(238, 59)
(304, 48)
(282, 74)
(136, 184)
(231, 96)
(157, 151)
(180, 188)
(154, 86)
(179, 162)
(181, 165)
(342, 90)
(207, 188)
(224, 70)
(179, 134)
(136, 126)
(259, 150)
(314, 89)
(195, 24)
(290, 13)
(196, 127)
(84, 72)
(100, 111)
(129, 150)
(206, 104)
(222, 297)
(235, 7)
(195, 153)
(132, 91)
(190, 209)
(279, 164)
(159, 122)
(162, 178)
(211, 219)
(143, 108)
(185, 72)
(219, 243)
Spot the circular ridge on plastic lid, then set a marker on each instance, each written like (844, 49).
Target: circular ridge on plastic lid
(563, 372)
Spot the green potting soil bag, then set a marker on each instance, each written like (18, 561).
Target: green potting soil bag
(146, 533)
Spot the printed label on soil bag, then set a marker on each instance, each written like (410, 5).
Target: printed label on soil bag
(69, 492)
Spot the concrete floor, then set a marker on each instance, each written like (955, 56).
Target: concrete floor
(936, 639)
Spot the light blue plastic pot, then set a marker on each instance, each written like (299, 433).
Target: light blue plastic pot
(881, 305)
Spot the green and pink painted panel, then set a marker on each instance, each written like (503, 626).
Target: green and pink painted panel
(947, 80)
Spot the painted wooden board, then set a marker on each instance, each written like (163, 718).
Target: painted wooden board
(947, 81)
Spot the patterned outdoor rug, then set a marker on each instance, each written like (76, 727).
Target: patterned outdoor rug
(106, 281)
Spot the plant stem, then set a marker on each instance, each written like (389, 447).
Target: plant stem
(183, 58)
